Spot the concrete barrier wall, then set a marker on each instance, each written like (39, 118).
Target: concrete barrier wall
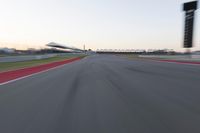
(164, 56)
(25, 58)
(173, 57)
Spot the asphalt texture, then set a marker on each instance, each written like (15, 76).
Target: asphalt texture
(104, 94)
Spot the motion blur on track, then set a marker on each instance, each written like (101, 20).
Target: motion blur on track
(104, 94)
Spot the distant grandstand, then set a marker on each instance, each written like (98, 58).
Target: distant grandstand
(134, 51)
(61, 46)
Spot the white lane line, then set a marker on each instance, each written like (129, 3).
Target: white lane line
(35, 74)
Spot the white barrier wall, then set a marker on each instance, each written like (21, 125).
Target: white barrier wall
(173, 57)
(25, 58)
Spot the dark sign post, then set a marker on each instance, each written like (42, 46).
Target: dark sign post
(189, 9)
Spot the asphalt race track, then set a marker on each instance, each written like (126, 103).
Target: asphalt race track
(104, 94)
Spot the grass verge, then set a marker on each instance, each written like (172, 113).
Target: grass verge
(24, 64)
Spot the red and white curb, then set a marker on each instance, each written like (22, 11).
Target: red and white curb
(11, 76)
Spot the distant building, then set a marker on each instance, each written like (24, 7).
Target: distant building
(7, 50)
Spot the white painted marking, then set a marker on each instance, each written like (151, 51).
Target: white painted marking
(34, 74)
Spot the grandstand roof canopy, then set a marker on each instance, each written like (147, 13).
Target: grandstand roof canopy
(56, 45)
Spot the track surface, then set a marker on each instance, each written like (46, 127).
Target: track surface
(104, 94)
(20, 73)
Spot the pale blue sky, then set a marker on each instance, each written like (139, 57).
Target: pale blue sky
(117, 24)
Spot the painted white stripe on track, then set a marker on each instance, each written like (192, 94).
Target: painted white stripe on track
(7, 82)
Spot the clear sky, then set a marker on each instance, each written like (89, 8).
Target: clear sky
(116, 24)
